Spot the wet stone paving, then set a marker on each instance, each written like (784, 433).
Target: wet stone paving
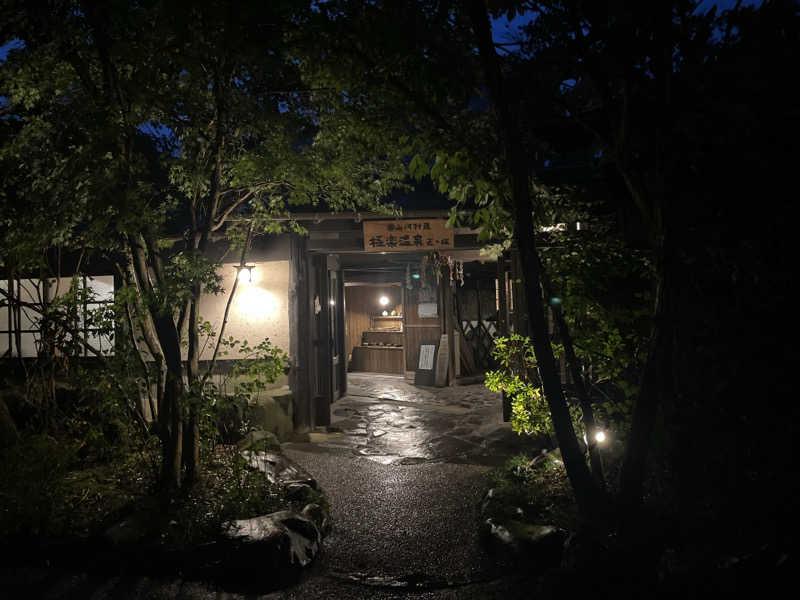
(404, 469)
(390, 421)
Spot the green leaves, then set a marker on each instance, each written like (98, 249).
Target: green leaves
(518, 379)
(529, 411)
(255, 367)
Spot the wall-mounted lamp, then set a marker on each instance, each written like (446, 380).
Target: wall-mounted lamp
(332, 302)
(245, 273)
(383, 300)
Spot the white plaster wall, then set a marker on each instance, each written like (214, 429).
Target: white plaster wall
(260, 307)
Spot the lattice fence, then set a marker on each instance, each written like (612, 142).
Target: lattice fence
(480, 336)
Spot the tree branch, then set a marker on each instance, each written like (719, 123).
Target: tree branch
(221, 221)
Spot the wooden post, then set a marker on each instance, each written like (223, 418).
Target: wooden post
(502, 320)
(342, 351)
(322, 400)
(479, 360)
(520, 320)
(450, 325)
(502, 311)
(300, 332)
(456, 355)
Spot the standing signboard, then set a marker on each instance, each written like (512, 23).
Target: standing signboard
(425, 373)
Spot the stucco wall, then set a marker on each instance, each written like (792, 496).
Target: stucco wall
(260, 308)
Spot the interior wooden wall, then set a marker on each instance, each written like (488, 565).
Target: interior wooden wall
(361, 301)
(418, 329)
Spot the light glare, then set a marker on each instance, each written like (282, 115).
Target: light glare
(254, 302)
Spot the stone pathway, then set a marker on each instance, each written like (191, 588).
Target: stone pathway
(404, 469)
(390, 421)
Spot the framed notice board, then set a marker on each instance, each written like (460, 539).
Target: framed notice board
(425, 371)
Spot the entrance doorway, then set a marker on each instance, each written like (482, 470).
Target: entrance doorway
(374, 326)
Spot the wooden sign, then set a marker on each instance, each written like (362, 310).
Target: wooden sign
(427, 310)
(402, 235)
(426, 354)
(425, 373)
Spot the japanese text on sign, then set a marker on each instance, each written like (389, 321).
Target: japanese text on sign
(405, 235)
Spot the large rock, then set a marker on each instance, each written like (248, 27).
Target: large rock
(539, 546)
(320, 516)
(279, 469)
(281, 541)
(272, 412)
(497, 503)
(260, 441)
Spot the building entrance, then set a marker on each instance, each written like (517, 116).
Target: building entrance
(374, 321)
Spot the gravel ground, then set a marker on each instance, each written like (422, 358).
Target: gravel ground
(400, 521)
(404, 529)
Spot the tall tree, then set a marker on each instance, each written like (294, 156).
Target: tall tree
(587, 492)
(132, 122)
(654, 93)
(418, 69)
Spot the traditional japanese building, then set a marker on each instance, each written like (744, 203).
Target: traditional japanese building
(405, 296)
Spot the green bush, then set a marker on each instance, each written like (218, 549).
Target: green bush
(34, 485)
(229, 490)
(537, 486)
(530, 413)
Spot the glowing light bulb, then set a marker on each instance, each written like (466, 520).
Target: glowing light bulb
(244, 275)
(383, 300)
(600, 436)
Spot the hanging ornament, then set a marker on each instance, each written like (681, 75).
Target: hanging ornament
(438, 263)
(460, 271)
(450, 268)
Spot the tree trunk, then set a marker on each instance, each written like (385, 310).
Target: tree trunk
(172, 422)
(202, 227)
(171, 433)
(587, 413)
(656, 384)
(588, 497)
(658, 379)
(161, 337)
(191, 455)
